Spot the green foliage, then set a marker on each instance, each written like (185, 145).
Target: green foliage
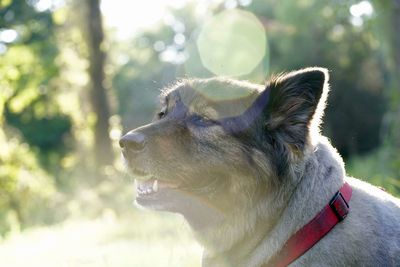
(27, 74)
(138, 82)
(45, 133)
(380, 168)
(320, 33)
(25, 190)
(33, 127)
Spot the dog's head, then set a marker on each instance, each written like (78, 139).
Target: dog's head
(217, 147)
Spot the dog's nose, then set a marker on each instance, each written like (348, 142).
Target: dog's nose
(134, 141)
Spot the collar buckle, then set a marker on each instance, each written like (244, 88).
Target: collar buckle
(339, 206)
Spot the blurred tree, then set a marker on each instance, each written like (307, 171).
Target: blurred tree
(396, 86)
(328, 38)
(331, 38)
(138, 81)
(28, 78)
(102, 143)
(27, 193)
(393, 26)
(388, 25)
(33, 129)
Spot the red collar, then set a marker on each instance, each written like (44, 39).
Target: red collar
(315, 230)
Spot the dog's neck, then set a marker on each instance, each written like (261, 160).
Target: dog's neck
(231, 243)
(280, 217)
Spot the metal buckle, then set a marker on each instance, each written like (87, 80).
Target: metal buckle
(339, 206)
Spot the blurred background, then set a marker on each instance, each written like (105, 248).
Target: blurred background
(75, 75)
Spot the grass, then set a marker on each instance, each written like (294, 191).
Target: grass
(142, 238)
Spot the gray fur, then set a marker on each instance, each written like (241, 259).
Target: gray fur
(369, 236)
(245, 192)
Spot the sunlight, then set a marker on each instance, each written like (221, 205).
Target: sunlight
(129, 17)
(362, 8)
(8, 35)
(44, 5)
(242, 33)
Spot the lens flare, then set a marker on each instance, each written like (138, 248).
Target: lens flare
(232, 43)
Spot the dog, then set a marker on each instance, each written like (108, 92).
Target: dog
(247, 167)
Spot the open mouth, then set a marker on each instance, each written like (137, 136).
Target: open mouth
(147, 187)
(157, 194)
(171, 195)
(152, 186)
(150, 189)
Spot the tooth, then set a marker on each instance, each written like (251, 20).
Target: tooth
(155, 186)
(148, 191)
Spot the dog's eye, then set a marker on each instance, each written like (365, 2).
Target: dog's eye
(201, 121)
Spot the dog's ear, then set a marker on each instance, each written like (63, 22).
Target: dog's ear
(296, 103)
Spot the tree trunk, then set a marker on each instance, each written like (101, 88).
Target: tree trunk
(395, 93)
(102, 146)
